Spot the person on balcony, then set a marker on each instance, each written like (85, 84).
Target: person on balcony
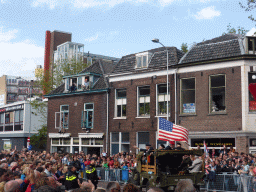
(73, 88)
(86, 84)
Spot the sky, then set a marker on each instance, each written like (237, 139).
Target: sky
(112, 27)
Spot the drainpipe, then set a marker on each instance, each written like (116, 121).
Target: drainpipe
(175, 81)
(107, 128)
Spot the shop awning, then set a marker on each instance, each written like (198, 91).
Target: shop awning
(59, 135)
(90, 135)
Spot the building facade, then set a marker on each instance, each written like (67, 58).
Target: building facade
(18, 121)
(77, 118)
(15, 88)
(212, 94)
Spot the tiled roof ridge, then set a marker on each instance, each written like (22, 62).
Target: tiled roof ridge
(124, 57)
(185, 55)
(221, 42)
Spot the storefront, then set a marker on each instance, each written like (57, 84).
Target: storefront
(89, 143)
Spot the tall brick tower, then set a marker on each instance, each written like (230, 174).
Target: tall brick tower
(52, 40)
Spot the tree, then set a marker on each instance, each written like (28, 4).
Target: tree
(239, 30)
(39, 140)
(184, 47)
(250, 5)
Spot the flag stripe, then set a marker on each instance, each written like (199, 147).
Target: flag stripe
(169, 131)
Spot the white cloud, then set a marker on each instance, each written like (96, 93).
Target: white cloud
(51, 3)
(18, 58)
(207, 13)
(93, 38)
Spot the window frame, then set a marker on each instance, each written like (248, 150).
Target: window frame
(138, 102)
(141, 56)
(165, 100)
(119, 142)
(86, 120)
(210, 94)
(181, 96)
(123, 100)
(62, 114)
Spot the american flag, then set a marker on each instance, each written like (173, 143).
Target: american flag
(167, 131)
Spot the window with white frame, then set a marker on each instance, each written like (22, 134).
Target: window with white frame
(217, 93)
(62, 117)
(60, 145)
(120, 142)
(143, 101)
(142, 60)
(120, 103)
(162, 99)
(87, 116)
(188, 96)
(1, 122)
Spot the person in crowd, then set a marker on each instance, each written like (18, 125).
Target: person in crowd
(178, 147)
(86, 84)
(48, 169)
(73, 88)
(196, 164)
(161, 147)
(113, 186)
(92, 174)
(71, 179)
(148, 149)
(185, 185)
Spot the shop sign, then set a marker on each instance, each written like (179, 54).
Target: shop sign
(12, 108)
(189, 108)
(219, 142)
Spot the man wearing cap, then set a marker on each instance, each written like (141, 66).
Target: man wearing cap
(71, 181)
(178, 147)
(148, 150)
(91, 173)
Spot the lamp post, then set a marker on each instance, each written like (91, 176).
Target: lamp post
(167, 111)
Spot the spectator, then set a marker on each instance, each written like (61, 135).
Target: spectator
(185, 185)
(12, 186)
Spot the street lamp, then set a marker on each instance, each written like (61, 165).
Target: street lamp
(157, 41)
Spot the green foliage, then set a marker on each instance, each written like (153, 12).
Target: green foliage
(39, 140)
(250, 5)
(184, 47)
(239, 30)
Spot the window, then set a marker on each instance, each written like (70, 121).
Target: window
(66, 141)
(143, 101)
(120, 142)
(120, 103)
(1, 122)
(251, 45)
(252, 91)
(142, 60)
(143, 139)
(79, 85)
(18, 120)
(162, 99)
(75, 141)
(217, 93)
(87, 116)
(9, 118)
(56, 141)
(187, 96)
(62, 117)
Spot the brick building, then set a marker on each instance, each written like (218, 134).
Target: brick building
(214, 96)
(77, 119)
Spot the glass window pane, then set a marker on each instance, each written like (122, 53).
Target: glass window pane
(79, 82)
(98, 141)
(162, 89)
(21, 115)
(75, 141)
(147, 112)
(85, 141)
(125, 148)
(121, 93)
(55, 141)
(64, 108)
(54, 149)
(17, 116)
(11, 117)
(138, 61)
(119, 110)
(143, 137)
(218, 99)
(115, 137)
(66, 141)
(162, 107)
(2, 118)
(145, 91)
(7, 118)
(115, 149)
(125, 137)
(124, 111)
(218, 81)
(144, 61)
(89, 106)
(90, 118)
(188, 83)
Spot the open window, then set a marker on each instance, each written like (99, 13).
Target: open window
(62, 117)
(87, 116)
(217, 93)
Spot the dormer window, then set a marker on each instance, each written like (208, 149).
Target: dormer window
(142, 60)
